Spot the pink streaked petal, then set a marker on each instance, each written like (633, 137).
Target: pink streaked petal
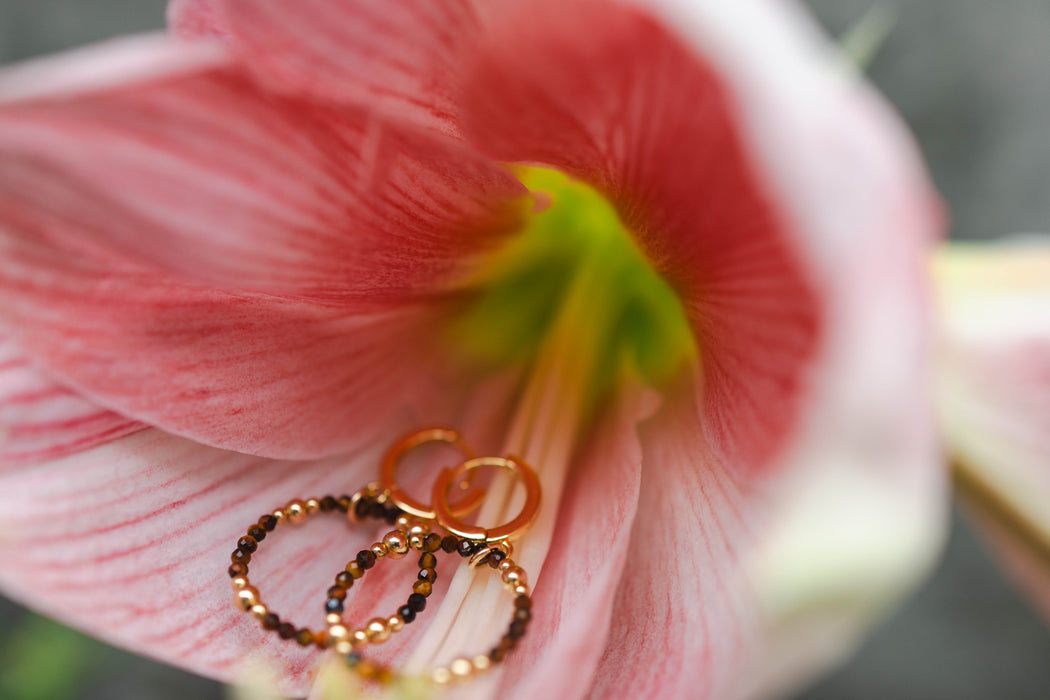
(202, 174)
(146, 568)
(604, 91)
(42, 420)
(255, 373)
(399, 57)
(196, 19)
(994, 394)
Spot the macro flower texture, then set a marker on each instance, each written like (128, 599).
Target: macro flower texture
(674, 254)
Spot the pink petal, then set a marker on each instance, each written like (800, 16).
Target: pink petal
(995, 395)
(205, 175)
(605, 92)
(196, 19)
(255, 373)
(41, 420)
(399, 57)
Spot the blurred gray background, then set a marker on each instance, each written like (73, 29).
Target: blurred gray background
(972, 78)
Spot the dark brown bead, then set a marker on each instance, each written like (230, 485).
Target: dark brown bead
(497, 654)
(392, 514)
(427, 575)
(237, 569)
(355, 569)
(376, 511)
(321, 639)
(333, 605)
(432, 542)
(362, 508)
(517, 629)
(344, 579)
(328, 504)
(423, 588)
(522, 614)
(343, 503)
(337, 593)
(428, 561)
(257, 532)
(522, 601)
(407, 614)
(241, 556)
(248, 544)
(417, 602)
(468, 547)
(286, 630)
(366, 559)
(495, 557)
(268, 522)
(304, 637)
(271, 622)
(449, 543)
(507, 643)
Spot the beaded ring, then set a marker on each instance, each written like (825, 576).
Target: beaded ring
(247, 597)
(462, 668)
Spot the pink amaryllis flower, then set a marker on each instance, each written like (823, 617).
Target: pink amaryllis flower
(235, 267)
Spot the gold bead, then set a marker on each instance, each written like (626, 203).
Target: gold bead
(415, 541)
(380, 549)
(333, 619)
(507, 548)
(506, 564)
(344, 647)
(441, 676)
(338, 633)
(396, 543)
(521, 589)
(359, 638)
(296, 511)
(377, 630)
(351, 510)
(259, 611)
(247, 597)
(461, 668)
(481, 663)
(396, 623)
(374, 489)
(239, 582)
(403, 522)
(419, 529)
(312, 506)
(514, 575)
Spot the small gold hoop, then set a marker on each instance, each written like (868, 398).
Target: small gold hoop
(388, 472)
(449, 520)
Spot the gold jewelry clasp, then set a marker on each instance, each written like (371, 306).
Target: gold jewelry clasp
(388, 473)
(449, 519)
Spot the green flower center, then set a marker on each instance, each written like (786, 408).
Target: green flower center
(574, 281)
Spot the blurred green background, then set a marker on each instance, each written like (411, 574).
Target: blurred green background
(972, 78)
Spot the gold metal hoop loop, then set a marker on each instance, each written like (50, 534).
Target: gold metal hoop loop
(388, 473)
(448, 519)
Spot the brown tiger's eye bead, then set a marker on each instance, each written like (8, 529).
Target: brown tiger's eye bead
(427, 575)
(304, 637)
(522, 614)
(427, 561)
(432, 542)
(237, 569)
(366, 559)
(321, 639)
(376, 511)
(449, 543)
(271, 622)
(286, 630)
(336, 593)
(467, 547)
(355, 569)
(523, 601)
(328, 504)
(423, 588)
(257, 533)
(343, 503)
(344, 579)
(517, 629)
(417, 602)
(268, 522)
(248, 544)
(407, 614)
(495, 557)
(333, 605)
(241, 556)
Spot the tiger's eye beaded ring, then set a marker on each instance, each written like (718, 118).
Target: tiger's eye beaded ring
(247, 596)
